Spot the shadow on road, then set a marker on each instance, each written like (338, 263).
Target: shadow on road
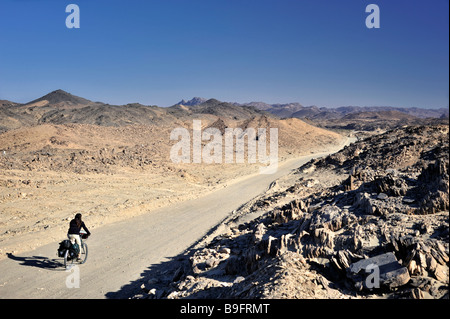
(37, 261)
(164, 275)
(162, 272)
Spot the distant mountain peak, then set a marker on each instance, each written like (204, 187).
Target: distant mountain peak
(194, 101)
(61, 97)
(59, 91)
(213, 101)
(59, 94)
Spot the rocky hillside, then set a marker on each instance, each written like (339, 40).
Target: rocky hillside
(370, 221)
(222, 109)
(60, 107)
(60, 99)
(64, 132)
(376, 121)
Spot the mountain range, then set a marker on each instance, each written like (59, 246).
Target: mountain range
(60, 123)
(61, 107)
(299, 111)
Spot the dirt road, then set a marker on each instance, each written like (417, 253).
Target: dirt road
(120, 252)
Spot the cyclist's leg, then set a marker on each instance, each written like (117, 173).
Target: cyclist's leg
(77, 239)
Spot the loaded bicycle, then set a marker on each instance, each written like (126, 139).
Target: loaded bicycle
(72, 252)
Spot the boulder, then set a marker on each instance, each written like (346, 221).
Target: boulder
(259, 233)
(364, 204)
(417, 293)
(379, 271)
(329, 217)
(441, 273)
(225, 250)
(349, 183)
(324, 237)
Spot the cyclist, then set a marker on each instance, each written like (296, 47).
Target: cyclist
(74, 230)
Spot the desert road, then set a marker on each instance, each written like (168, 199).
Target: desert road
(120, 252)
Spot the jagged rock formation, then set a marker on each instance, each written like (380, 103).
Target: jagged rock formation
(370, 221)
(194, 101)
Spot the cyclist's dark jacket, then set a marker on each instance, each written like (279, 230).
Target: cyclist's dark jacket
(75, 230)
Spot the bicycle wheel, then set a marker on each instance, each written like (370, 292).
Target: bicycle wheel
(83, 253)
(67, 260)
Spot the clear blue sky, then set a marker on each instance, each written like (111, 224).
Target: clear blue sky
(316, 52)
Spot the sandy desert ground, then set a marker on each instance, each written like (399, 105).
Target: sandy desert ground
(49, 172)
